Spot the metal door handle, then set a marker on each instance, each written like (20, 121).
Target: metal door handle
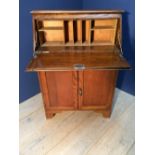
(80, 91)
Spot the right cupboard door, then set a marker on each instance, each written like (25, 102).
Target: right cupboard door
(96, 89)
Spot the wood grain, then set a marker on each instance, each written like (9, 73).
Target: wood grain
(92, 58)
(32, 104)
(98, 88)
(52, 26)
(78, 133)
(53, 23)
(62, 89)
(105, 22)
(71, 31)
(117, 142)
(74, 11)
(79, 31)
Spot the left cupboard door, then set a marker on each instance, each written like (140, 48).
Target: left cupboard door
(59, 89)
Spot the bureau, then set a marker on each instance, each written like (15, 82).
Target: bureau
(77, 55)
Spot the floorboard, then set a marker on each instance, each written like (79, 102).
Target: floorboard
(78, 132)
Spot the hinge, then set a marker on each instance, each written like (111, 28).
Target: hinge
(37, 41)
(34, 54)
(120, 46)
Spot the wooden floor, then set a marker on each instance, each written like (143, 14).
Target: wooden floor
(78, 133)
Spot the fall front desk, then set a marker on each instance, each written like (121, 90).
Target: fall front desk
(77, 55)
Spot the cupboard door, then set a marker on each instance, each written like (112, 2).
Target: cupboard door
(96, 89)
(59, 89)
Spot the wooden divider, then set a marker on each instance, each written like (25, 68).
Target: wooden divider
(77, 32)
(71, 31)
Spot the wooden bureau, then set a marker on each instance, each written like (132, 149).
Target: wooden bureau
(77, 55)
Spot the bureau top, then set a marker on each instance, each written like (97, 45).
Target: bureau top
(75, 11)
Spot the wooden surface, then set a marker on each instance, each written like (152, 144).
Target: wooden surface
(97, 88)
(74, 90)
(75, 11)
(77, 56)
(70, 28)
(62, 89)
(77, 133)
(92, 58)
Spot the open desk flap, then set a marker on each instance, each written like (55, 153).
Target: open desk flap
(78, 58)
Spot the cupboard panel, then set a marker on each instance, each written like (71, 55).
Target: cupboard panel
(62, 89)
(98, 88)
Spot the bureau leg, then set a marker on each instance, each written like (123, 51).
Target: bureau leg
(50, 115)
(106, 113)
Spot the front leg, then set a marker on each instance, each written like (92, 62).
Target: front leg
(50, 115)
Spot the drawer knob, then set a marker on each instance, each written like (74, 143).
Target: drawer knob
(80, 91)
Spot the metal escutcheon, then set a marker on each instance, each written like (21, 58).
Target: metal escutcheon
(79, 66)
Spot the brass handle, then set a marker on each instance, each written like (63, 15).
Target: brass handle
(80, 91)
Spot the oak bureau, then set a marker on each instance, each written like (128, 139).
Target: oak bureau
(77, 55)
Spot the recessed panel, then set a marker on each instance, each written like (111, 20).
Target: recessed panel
(104, 35)
(106, 22)
(53, 23)
(54, 35)
(62, 89)
(98, 88)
